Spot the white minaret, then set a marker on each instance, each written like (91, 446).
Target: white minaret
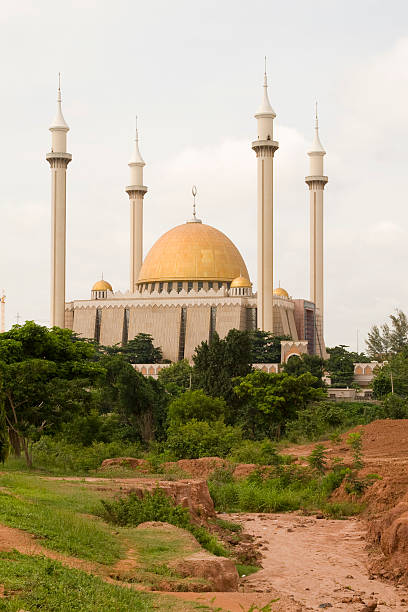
(136, 191)
(58, 159)
(316, 181)
(265, 148)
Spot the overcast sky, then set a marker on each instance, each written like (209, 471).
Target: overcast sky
(192, 70)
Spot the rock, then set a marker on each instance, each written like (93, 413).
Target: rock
(325, 605)
(136, 464)
(220, 572)
(192, 494)
(370, 606)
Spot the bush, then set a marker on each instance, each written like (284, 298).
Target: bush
(197, 439)
(58, 456)
(156, 506)
(395, 406)
(262, 453)
(196, 405)
(287, 488)
(325, 417)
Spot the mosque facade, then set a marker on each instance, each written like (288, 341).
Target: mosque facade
(193, 281)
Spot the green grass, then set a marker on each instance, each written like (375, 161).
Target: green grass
(342, 510)
(37, 583)
(286, 489)
(61, 530)
(157, 506)
(160, 546)
(246, 570)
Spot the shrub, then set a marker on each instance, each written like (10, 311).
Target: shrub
(396, 407)
(355, 442)
(196, 405)
(325, 417)
(58, 456)
(197, 439)
(262, 453)
(318, 458)
(156, 506)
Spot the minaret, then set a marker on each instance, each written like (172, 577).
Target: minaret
(58, 159)
(136, 191)
(265, 148)
(316, 181)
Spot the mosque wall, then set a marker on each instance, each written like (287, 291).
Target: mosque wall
(111, 326)
(69, 319)
(162, 322)
(197, 328)
(84, 322)
(228, 317)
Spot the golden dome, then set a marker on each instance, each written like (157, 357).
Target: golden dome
(102, 285)
(192, 251)
(241, 281)
(281, 292)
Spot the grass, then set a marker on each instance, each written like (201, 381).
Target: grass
(285, 489)
(342, 510)
(61, 530)
(246, 570)
(157, 506)
(38, 583)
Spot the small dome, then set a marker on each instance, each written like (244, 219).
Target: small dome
(102, 285)
(241, 281)
(281, 292)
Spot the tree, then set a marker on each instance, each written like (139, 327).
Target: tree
(196, 405)
(269, 400)
(340, 366)
(266, 348)
(139, 350)
(388, 339)
(314, 364)
(46, 378)
(177, 377)
(392, 377)
(217, 363)
(139, 402)
(4, 437)
(196, 439)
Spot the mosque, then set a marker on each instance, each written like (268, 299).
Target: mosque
(193, 281)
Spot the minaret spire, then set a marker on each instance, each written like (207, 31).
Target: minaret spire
(265, 148)
(58, 159)
(265, 106)
(316, 182)
(136, 191)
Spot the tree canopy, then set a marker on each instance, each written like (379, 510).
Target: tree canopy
(218, 362)
(269, 400)
(388, 339)
(266, 348)
(314, 364)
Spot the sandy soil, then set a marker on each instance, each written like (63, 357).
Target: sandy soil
(317, 561)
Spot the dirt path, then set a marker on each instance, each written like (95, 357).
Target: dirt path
(317, 562)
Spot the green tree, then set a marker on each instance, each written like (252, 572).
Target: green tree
(217, 363)
(314, 364)
(139, 350)
(196, 405)
(196, 439)
(47, 377)
(140, 402)
(177, 377)
(268, 401)
(340, 366)
(392, 377)
(4, 436)
(266, 348)
(388, 339)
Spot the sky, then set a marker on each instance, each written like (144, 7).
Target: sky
(192, 71)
